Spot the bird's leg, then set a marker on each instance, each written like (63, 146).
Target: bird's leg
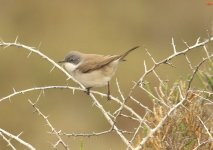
(88, 90)
(108, 93)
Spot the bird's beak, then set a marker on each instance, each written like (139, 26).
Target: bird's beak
(62, 61)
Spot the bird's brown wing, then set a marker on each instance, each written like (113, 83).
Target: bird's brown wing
(96, 62)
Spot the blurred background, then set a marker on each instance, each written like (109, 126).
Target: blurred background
(103, 27)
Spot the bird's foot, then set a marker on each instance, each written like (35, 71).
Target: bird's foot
(88, 90)
(109, 97)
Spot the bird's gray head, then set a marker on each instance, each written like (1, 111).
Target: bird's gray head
(72, 57)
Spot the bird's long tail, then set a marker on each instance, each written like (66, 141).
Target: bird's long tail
(127, 52)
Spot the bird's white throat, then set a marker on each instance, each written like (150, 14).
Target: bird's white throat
(70, 67)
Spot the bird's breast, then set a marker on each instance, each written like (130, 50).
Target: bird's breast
(96, 78)
(70, 67)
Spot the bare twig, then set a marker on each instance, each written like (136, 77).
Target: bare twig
(17, 138)
(196, 70)
(93, 133)
(166, 60)
(207, 130)
(60, 140)
(8, 141)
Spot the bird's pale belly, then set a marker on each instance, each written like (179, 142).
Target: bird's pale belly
(93, 79)
(96, 78)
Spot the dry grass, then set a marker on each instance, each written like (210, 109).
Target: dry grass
(190, 126)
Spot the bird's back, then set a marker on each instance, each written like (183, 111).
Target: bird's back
(95, 62)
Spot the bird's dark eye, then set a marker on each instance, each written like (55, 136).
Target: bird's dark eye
(74, 59)
(71, 60)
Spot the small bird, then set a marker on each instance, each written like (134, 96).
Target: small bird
(93, 70)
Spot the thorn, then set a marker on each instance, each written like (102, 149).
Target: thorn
(14, 90)
(207, 32)
(9, 139)
(29, 54)
(32, 47)
(52, 145)
(43, 92)
(39, 45)
(198, 40)
(145, 66)
(170, 64)
(135, 83)
(150, 56)
(6, 46)
(185, 43)
(19, 134)
(1, 41)
(46, 117)
(173, 45)
(93, 103)
(68, 78)
(33, 104)
(16, 39)
(59, 132)
(52, 69)
(10, 99)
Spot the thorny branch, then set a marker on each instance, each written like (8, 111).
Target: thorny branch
(142, 120)
(93, 133)
(8, 141)
(95, 101)
(166, 60)
(15, 137)
(60, 140)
